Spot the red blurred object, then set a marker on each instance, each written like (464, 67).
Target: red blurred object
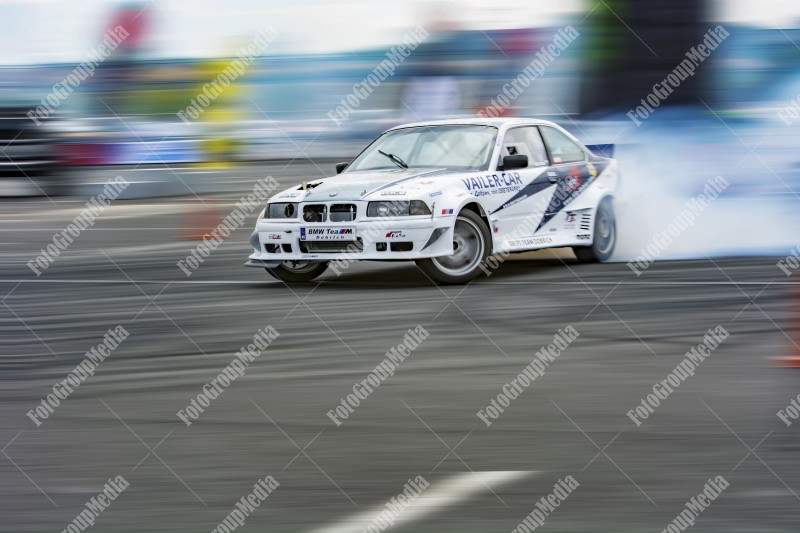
(200, 223)
(134, 18)
(793, 360)
(495, 112)
(789, 361)
(85, 154)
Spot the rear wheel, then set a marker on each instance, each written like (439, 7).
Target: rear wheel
(298, 271)
(605, 236)
(472, 244)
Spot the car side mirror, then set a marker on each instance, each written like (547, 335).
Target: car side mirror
(341, 166)
(514, 161)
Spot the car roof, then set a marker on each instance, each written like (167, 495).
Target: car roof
(477, 121)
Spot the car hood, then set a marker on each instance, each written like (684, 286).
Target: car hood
(358, 185)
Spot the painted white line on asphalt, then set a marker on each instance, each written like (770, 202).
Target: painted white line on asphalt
(435, 498)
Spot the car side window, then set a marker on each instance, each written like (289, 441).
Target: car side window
(525, 140)
(562, 148)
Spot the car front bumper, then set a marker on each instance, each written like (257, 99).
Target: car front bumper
(389, 239)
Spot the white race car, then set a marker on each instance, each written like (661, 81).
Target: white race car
(447, 195)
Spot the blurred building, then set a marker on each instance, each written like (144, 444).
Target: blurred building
(634, 44)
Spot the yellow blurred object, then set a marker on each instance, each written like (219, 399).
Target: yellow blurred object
(219, 147)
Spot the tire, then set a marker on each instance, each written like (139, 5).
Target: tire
(298, 271)
(605, 236)
(472, 244)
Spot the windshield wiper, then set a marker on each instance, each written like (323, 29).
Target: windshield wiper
(395, 159)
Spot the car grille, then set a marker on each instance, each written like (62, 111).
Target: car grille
(342, 213)
(314, 213)
(329, 212)
(331, 247)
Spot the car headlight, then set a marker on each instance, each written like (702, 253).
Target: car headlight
(281, 210)
(397, 208)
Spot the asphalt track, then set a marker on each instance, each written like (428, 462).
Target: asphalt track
(421, 421)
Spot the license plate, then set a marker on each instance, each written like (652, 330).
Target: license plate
(327, 234)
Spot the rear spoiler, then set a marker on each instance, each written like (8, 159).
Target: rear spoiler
(603, 150)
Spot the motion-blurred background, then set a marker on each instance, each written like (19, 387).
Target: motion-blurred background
(94, 89)
(123, 116)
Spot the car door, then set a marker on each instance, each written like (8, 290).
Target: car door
(517, 214)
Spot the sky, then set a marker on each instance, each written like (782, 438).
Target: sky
(58, 30)
(42, 31)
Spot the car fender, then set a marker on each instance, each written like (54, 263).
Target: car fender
(606, 184)
(459, 200)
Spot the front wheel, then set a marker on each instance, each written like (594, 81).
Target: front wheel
(298, 271)
(472, 244)
(605, 236)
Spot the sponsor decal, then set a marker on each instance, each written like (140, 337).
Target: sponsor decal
(573, 181)
(437, 193)
(323, 234)
(570, 220)
(530, 241)
(495, 229)
(309, 256)
(486, 184)
(584, 236)
(395, 235)
(334, 193)
(447, 211)
(289, 195)
(393, 193)
(274, 236)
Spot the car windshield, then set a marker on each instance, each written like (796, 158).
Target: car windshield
(464, 147)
